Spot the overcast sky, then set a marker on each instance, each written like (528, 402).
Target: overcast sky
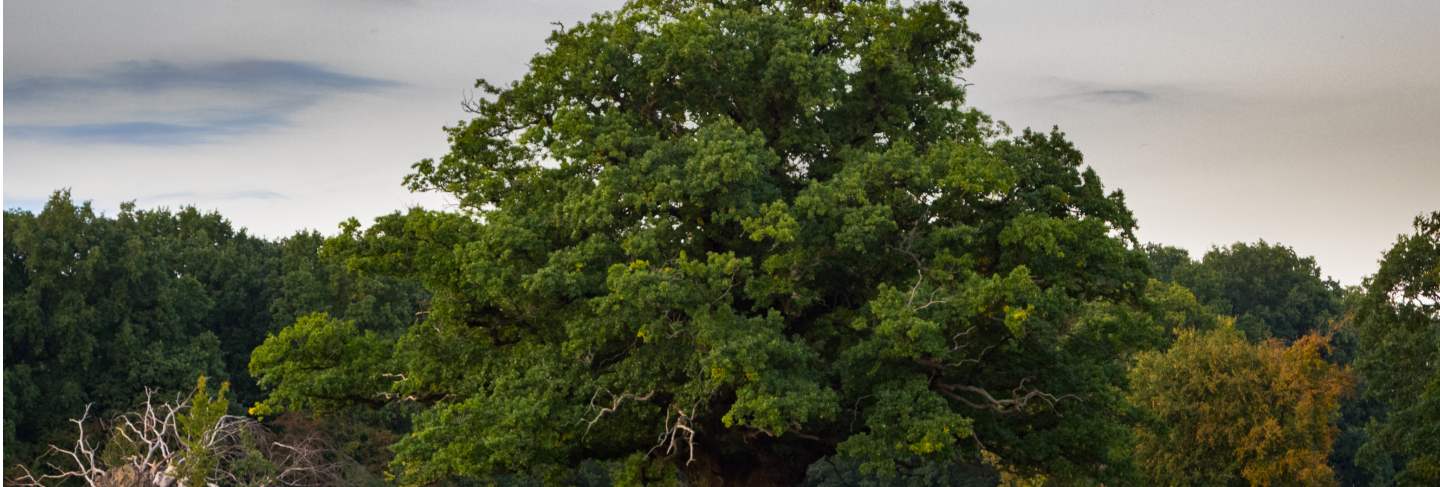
(1313, 124)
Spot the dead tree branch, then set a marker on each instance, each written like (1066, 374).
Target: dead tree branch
(615, 403)
(153, 453)
(1020, 397)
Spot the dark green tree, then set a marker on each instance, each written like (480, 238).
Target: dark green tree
(98, 308)
(344, 314)
(1168, 263)
(740, 237)
(1270, 290)
(1397, 321)
(320, 275)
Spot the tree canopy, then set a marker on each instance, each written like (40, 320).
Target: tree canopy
(1270, 290)
(715, 242)
(1220, 410)
(98, 308)
(741, 237)
(1398, 323)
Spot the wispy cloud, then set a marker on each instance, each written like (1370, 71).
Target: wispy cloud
(1111, 96)
(1083, 92)
(149, 133)
(159, 76)
(169, 104)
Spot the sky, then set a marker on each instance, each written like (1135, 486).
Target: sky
(1315, 124)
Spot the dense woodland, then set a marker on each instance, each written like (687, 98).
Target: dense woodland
(717, 243)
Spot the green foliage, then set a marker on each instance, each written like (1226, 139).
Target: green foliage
(834, 472)
(317, 275)
(1168, 263)
(320, 364)
(97, 308)
(1174, 307)
(1220, 410)
(1398, 323)
(709, 243)
(1271, 291)
(332, 370)
(198, 457)
(739, 238)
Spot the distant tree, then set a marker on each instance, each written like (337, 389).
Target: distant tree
(307, 282)
(1357, 409)
(1269, 289)
(96, 308)
(99, 307)
(1222, 411)
(319, 275)
(1168, 263)
(346, 302)
(1397, 321)
(1273, 292)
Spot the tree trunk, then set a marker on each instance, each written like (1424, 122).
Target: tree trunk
(757, 468)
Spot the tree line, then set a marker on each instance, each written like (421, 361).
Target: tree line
(101, 309)
(742, 243)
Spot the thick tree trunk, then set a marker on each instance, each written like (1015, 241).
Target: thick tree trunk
(757, 468)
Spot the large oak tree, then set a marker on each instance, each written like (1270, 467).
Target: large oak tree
(739, 237)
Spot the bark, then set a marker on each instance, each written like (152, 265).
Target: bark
(758, 463)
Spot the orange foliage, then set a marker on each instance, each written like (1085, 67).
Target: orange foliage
(1223, 409)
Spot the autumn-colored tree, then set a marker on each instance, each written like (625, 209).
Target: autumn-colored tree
(1221, 410)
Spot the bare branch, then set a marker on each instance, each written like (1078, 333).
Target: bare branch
(670, 436)
(615, 403)
(154, 431)
(1020, 397)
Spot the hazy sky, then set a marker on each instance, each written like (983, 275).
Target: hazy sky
(1313, 124)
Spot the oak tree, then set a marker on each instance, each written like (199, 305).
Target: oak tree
(735, 238)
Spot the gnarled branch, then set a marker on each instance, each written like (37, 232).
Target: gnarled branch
(1020, 397)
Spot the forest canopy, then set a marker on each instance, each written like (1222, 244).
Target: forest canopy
(732, 243)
